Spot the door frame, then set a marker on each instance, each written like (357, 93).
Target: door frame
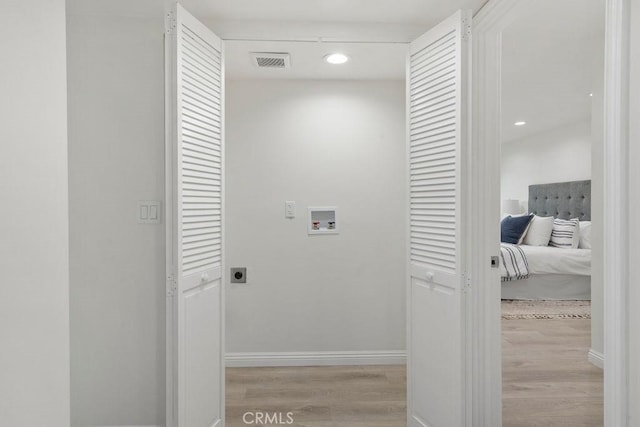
(616, 175)
(487, 382)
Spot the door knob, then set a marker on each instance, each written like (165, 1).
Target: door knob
(429, 277)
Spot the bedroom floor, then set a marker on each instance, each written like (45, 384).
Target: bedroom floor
(547, 381)
(546, 377)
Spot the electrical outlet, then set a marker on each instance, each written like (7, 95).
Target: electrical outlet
(238, 275)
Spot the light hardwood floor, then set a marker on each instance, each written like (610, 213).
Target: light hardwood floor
(547, 381)
(322, 396)
(546, 377)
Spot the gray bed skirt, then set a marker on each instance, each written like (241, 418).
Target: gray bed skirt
(549, 287)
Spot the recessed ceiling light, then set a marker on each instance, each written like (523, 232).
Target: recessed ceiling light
(336, 58)
(590, 93)
(520, 123)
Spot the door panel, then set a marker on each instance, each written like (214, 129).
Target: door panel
(201, 350)
(195, 110)
(437, 126)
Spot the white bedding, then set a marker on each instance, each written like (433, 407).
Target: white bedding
(549, 260)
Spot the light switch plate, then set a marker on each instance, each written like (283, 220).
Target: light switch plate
(290, 209)
(149, 211)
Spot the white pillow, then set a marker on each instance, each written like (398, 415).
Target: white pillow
(585, 235)
(565, 233)
(576, 236)
(539, 232)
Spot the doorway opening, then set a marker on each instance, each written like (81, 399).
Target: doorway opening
(552, 82)
(488, 33)
(431, 277)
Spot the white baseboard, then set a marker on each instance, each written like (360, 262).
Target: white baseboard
(321, 358)
(596, 358)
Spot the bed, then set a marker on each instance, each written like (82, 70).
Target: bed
(555, 274)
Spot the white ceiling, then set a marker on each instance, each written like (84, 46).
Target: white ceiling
(550, 62)
(423, 12)
(368, 61)
(549, 56)
(373, 33)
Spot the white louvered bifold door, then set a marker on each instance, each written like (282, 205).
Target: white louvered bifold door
(195, 110)
(437, 126)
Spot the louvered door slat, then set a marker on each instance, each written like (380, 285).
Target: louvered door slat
(438, 79)
(434, 79)
(200, 69)
(429, 164)
(197, 150)
(199, 50)
(197, 53)
(193, 98)
(431, 69)
(443, 114)
(434, 142)
(195, 138)
(193, 161)
(201, 113)
(434, 238)
(210, 96)
(206, 127)
(444, 170)
(201, 175)
(200, 232)
(442, 118)
(420, 159)
(199, 78)
(202, 147)
(444, 43)
(194, 39)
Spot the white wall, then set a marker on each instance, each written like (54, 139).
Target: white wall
(116, 157)
(34, 247)
(634, 224)
(559, 155)
(317, 143)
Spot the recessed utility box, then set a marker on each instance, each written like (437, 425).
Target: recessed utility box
(323, 220)
(238, 275)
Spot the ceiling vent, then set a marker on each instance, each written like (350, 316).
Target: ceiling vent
(271, 60)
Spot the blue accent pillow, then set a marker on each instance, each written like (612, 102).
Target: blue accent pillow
(513, 227)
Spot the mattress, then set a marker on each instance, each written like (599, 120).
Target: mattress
(549, 260)
(549, 287)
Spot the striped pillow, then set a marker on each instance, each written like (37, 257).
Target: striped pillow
(565, 233)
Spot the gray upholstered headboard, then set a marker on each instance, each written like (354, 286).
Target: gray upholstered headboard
(561, 200)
